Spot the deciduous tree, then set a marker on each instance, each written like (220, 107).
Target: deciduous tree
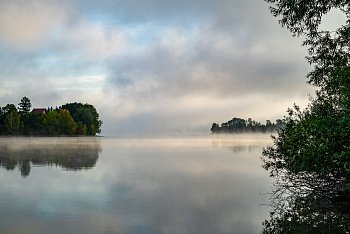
(12, 122)
(316, 140)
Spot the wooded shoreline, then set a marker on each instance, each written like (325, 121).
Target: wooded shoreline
(71, 119)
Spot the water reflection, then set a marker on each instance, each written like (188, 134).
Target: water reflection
(313, 213)
(240, 142)
(70, 154)
(197, 185)
(306, 202)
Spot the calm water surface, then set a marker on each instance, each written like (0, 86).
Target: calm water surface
(211, 185)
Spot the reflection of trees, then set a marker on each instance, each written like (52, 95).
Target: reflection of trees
(69, 155)
(306, 204)
(307, 201)
(235, 146)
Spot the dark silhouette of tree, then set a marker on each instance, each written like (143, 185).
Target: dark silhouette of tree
(24, 105)
(9, 108)
(215, 127)
(239, 125)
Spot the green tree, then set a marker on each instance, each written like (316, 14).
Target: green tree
(51, 122)
(316, 140)
(9, 108)
(4, 112)
(24, 105)
(81, 129)
(12, 122)
(85, 114)
(67, 126)
(59, 122)
(33, 124)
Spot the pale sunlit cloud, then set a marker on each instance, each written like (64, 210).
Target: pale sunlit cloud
(94, 41)
(26, 24)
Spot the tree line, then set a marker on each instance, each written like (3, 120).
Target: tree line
(239, 125)
(71, 119)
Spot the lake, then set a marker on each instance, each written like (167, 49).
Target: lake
(211, 184)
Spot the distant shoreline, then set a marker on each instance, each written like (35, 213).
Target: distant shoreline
(70, 119)
(239, 125)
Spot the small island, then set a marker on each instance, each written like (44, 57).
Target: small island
(71, 119)
(239, 125)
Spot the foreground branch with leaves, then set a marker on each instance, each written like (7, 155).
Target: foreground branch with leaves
(310, 158)
(315, 142)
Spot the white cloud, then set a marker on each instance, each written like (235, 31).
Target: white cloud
(94, 41)
(205, 60)
(29, 23)
(189, 63)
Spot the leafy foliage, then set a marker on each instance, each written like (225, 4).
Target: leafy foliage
(12, 122)
(316, 141)
(304, 16)
(70, 119)
(86, 116)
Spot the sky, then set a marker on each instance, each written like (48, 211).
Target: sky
(154, 65)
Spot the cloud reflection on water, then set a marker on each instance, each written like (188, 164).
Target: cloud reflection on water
(188, 185)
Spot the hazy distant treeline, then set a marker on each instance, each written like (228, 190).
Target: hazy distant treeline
(238, 125)
(68, 120)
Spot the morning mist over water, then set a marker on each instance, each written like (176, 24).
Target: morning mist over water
(147, 82)
(211, 184)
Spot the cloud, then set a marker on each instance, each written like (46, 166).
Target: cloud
(185, 76)
(184, 62)
(92, 41)
(28, 23)
(51, 54)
